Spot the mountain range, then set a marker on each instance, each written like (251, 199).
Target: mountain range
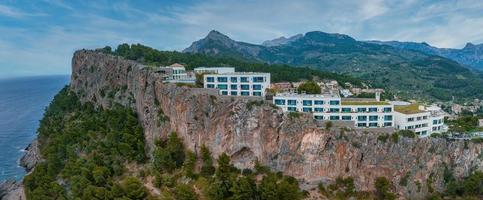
(408, 73)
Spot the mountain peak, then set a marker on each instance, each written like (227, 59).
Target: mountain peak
(323, 36)
(281, 40)
(216, 35)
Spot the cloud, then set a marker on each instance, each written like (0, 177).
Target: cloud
(10, 12)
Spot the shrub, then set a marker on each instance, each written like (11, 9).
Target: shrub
(382, 138)
(383, 187)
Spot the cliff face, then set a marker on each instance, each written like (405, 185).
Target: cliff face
(247, 131)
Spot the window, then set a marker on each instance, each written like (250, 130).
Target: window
(318, 117)
(307, 102)
(387, 124)
(318, 102)
(258, 79)
(245, 93)
(387, 117)
(435, 121)
(233, 87)
(333, 110)
(233, 93)
(409, 127)
(435, 128)
(346, 110)
(244, 79)
(222, 79)
(425, 117)
(388, 109)
(361, 118)
(318, 109)
(424, 132)
(372, 109)
(373, 124)
(440, 121)
(411, 119)
(224, 92)
(257, 94)
(418, 118)
(257, 87)
(279, 101)
(361, 124)
(245, 87)
(346, 117)
(292, 109)
(222, 86)
(233, 79)
(334, 118)
(361, 109)
(292, 102)
(305, 109)
(210, 86)
(373, 118)
(210, 79)
(334, 102)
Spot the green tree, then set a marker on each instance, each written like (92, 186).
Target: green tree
(184, 192)
(207, 168)
(244, 188)
(133, 188)
(189, 164)
(383, 187)
(309, 87)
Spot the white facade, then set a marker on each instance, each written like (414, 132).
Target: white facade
(176, 73)
(364, 114)
(214, 70)
(422, 120)
(238, 83)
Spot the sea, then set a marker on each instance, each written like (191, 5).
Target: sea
(22, 104)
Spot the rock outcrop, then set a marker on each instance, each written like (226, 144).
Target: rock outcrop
(31, 157)
(11, 190)
(248, 131)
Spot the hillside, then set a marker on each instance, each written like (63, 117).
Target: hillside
(404, 72)
(471, 55)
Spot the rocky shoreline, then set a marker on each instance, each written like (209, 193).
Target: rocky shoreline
(12, 189)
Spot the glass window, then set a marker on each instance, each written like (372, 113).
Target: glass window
(361, 118)
(233, 87)
(233, 93)
(435, 121)
(258, 94)
(334, 102)
(292, 102)
(307, 102)
(318, 102)
(245, 93)
(279, 101)
(424, 132)
(361, 109)
(224, 92)
(388, 109)
(245, 87)
(292, 109)
(222, 79)
(372, 109)
(334, 117)
(318, 109)
(425, 117)
(387, 124)
(233, 79)
(418, 118)
(258, 79)
(318, 117)
(361, 124)
(373, 118)
(305, 109)
(210, 86)
(411, 119)
(387, 117)
(346, 110)
(244, 79)
(346, 117)
(373, 124)
(257, 87)
(222, 86)
(333, 110)
(210, 79)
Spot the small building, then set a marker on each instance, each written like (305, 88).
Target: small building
(480, 122)
(422, 120)
(238, 83)
(214, 70)
(176, 73)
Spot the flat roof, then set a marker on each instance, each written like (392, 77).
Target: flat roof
(364, 103)
(296, 95)
(239, 73)
(408, 109)
(203, 68)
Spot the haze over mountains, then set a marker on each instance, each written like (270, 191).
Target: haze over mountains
(406, 72)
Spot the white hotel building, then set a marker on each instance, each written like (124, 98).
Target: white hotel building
(238, 83)
(364, 114)
(422, 120)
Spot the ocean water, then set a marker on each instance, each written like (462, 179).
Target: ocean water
(22, 104)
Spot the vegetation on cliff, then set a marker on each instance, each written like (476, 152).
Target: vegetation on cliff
(279, 73)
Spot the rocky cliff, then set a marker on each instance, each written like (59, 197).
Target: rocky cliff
(249, 130)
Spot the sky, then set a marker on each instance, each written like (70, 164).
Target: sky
(39, 37)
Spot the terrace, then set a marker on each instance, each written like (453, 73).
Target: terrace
(408, 109)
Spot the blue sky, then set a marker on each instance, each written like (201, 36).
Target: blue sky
(39, 37)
